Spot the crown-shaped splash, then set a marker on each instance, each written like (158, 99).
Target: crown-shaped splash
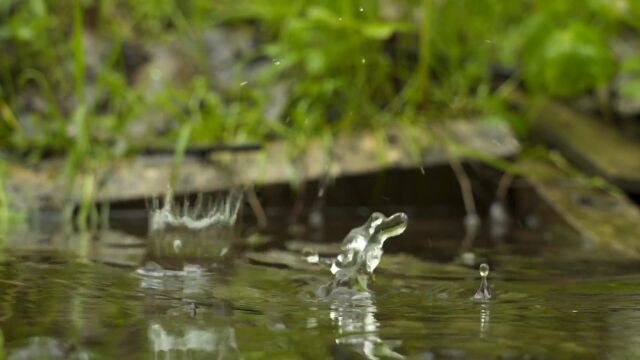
(222, 212)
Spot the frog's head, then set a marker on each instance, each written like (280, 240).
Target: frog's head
(393, 225)
(374, 222)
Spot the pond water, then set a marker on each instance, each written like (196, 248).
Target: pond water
(548, 301)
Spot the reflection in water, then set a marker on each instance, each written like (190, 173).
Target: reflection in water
(196, 335)
(47, 348)
(214, 342)
(192, 279)
(357, 325)
(485, 319)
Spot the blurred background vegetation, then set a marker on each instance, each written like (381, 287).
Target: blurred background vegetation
(94, 81)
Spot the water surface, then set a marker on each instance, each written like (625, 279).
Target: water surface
(548, 302)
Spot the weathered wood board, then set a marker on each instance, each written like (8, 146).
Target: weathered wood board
(605, 220)
(591, 144)
(145, 176)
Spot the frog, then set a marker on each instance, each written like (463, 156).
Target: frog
(361, 251)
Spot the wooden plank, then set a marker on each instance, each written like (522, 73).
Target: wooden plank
(145, 176)
(605, 220)
(594, 146)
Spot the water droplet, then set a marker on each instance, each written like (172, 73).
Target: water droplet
(484, 270)
(364, 60)
(361, 9)
(483, 293)
(177, 245)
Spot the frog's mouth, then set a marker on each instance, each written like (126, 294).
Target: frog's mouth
(393, 225)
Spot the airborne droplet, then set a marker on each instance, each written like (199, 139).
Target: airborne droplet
(484, 270)
(483, 291)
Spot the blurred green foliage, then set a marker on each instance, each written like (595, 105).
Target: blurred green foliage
(631, 68)
(5, 210)
(346, 65)
(567, 62)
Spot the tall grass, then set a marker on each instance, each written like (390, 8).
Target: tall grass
(4, 205)
(346, 65)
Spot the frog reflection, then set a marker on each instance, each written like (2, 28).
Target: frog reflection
(358, 327)
(362, 249)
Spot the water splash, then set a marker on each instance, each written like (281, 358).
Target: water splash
(198, 233)
(170, 216)
(483, 291)
(361, 249)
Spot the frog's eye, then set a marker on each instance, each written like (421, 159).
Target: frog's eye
(376, 219)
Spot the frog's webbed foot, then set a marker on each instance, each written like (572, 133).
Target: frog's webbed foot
(361, 282)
